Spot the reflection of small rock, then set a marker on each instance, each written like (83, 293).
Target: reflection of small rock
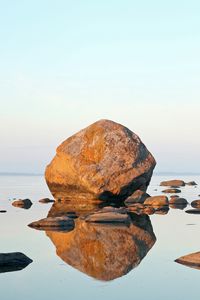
(46, 200)
(54, 223)
(193, 211)
(157, 201)
(195, 203)
(13, 261)
(162, 210)
(137, 197)
(140, 209)
(108, 217)
(26, 203)
(169, 191)
(191, 260)
(175, 182)
(191, 183)
(3, 211)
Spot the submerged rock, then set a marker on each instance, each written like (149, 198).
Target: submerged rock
(195, 203)
(191, 260)
(25, 203)
(157, 201)
(13, 261)
(54, 223)
(103, 161)
(169, 191)
(175, 182)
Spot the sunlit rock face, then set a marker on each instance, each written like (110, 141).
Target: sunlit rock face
(105, 251)
(103, 161)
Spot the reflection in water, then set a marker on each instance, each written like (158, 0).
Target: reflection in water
(103, 251)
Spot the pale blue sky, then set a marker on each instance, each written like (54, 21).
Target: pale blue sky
(66, 64)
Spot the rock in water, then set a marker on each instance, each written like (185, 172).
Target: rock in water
(191, 260)
(102, 161)
(174, 182)
(13, 261)
(25, 203)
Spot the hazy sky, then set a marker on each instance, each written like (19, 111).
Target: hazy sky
(65, 64)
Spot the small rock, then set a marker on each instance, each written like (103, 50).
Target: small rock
(157, 201)
(108, 217)
(13, 261)
(25, 203)
(120, 210)
(191, 183)
(3, 211)
(162, 210)
(169, 191)
(62, 223)
(137, 197)
(191, 260)
(193, 211)
(195, 203)
(46, 200)
(178, 201)
(175, 182)
(178, 206)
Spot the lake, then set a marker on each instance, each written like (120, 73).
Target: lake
(154, 275)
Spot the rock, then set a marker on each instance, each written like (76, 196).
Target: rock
(157, 201)
(140, 209)
(3, 211)
(62, 223)
(13, 261)
(169, 191)
(46, 200)
(191, 183)
(120, 210)
(137, 197)
(104, 251)
(108, 217)
(193, 211)
(178, 201)
(178, 206)
(195, 203)
(26, 203)
(175, 182)
(103, 161)
(191, 260)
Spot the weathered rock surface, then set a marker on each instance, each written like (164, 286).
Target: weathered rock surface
(46, 200)
(191, 260)
(105, 251)
(54, 223)
(103, 161)
(13, 261)
(174, 182)
(195, 203)
(157, 201)
(25, 203)
(137, 197)
(193, 211)
(173, 191)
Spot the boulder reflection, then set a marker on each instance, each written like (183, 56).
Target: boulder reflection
(103, 251)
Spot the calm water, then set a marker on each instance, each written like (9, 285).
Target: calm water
(49, 277)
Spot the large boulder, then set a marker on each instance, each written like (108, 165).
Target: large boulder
(103, 161)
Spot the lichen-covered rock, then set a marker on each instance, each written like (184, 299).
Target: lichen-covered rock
(103, 161)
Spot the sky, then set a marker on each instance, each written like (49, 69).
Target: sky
(66, 64)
